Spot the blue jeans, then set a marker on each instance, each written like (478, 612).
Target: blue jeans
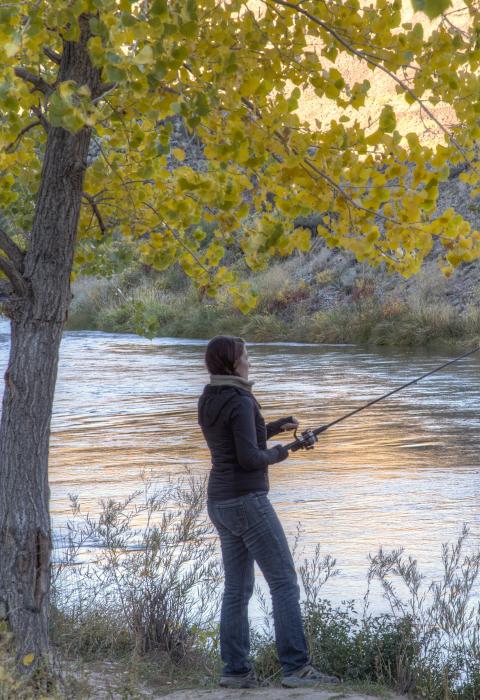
(249, 531)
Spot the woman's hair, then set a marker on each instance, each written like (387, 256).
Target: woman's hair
(222, 354)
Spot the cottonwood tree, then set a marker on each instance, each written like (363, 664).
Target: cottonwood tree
(88, 91)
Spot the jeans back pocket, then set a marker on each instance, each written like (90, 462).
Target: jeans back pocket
(233, 517)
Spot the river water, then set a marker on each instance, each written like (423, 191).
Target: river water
(403, 473)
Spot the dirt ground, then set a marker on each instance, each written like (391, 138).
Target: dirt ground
(112, 681)
(270, 694)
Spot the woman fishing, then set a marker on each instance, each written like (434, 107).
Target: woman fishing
(247, 524)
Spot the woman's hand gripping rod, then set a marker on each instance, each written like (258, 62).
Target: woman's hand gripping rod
(308, 438)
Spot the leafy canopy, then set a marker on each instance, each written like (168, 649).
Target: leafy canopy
(231, 73)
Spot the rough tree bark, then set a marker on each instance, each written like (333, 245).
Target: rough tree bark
(37, 307)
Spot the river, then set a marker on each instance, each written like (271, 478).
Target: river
(403, 473)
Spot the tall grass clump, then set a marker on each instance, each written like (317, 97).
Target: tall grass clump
(90, 295)
(390, 323)
(141, 577)
(443, 618)
(361, 649)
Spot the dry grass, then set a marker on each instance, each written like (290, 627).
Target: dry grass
(302, 300)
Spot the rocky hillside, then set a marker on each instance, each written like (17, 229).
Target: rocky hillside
(460, 290)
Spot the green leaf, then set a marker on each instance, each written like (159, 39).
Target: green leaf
(97, 27)
(159, 8)
(417, 32)
(201, 105)
(388, 120)
(115, 74)
(189, 29)
(432, 8)
(128, 19)
(145, 56)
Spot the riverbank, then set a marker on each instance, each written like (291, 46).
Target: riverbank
(138, 622)
(320, 297)
(137, 618)
(112, 682)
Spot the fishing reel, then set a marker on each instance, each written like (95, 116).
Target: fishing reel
(305, 441)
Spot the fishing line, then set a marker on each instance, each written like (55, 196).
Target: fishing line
(308, 438)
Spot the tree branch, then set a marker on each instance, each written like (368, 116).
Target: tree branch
(84, 23)
(18, 283)
(11, 249)
(38, 82)
(6, 290)
(103, 90)
(11, 146)
(96, 211)
(38, 112)
(334, 185)
(52, 55)
(339, 189)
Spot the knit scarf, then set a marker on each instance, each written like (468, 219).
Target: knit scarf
(230, 380)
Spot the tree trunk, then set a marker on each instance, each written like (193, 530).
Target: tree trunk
(37, 322)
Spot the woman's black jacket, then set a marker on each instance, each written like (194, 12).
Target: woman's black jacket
(237, 437)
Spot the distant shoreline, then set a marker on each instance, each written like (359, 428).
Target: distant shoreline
(307, 300)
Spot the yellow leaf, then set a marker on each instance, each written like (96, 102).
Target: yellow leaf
(447, 270)
(250, 84)
(301, 239)
(84, 90)
(432, 8)
(66, 89)
(12, 47)
(28, 659)
(178, 153)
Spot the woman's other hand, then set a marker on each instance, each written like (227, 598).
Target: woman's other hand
(281, 426)
(289, 423)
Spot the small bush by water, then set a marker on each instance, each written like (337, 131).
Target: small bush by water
(149, 590)
(141, 578)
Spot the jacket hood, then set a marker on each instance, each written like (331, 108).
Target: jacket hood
(213, 401)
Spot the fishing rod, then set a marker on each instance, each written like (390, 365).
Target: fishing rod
(309, 437)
